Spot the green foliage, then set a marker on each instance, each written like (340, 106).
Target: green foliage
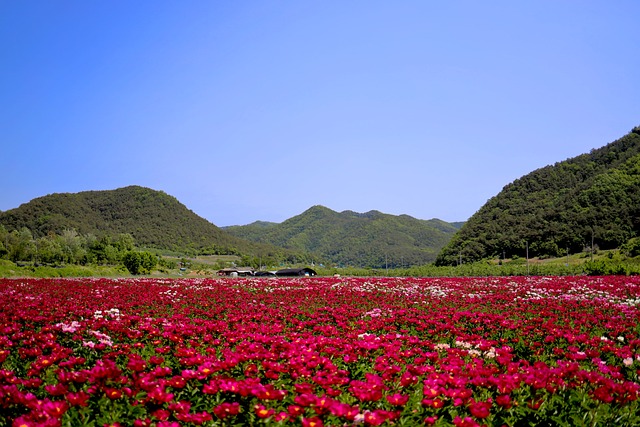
(139, 262)
(132, 261)
(152, 218)
(371, 239)
(605, 267)
(632, 247)
(558, 209)
(11, 269)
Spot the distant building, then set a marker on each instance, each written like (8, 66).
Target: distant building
(236, 272)
(295, 272)
(265, 274)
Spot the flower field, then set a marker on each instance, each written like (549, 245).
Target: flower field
(320, 351)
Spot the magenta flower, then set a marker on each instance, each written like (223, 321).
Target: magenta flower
(480, 409)
(312, 422)
(398, 399)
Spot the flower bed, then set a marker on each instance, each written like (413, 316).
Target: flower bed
(320, 351)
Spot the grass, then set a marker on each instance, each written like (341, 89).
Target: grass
(9, 269)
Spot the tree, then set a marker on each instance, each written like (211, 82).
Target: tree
(139, 262)
(71, 243)
(20, 245)
(49, 250)
(132, 261)
(148, 262)
(4, 239)
(124, 242)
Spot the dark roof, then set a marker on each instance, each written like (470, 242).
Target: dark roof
(296, 272)
(264, 273)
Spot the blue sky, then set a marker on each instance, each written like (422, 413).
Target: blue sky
(258, 110)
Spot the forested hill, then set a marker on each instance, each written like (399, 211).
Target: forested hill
(153, 218)
(371, 239)
(559, 208)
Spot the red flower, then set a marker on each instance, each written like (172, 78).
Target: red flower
(226, 409)
(312, 422)
(374, 418)
(56, 390)
(263, 412)
(55, 409)
(113, 393)
(480, 409)
(281, 416)
(79, 398)
(603, 394)
(434, 403)
(136, 363)
(161, 414)
(504, 400)
(295, 410)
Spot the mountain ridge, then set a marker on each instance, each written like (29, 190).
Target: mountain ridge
(558, 209)
(152, 217)
(372, 238)
(157, 220)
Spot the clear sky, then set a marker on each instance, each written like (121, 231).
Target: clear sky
(258, 110)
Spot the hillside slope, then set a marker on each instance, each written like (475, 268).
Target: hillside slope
(154, 219)
(371, 239)
(559, 208)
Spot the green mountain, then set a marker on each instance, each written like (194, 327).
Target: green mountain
(559, 208)
(371, 239)
(153, 218)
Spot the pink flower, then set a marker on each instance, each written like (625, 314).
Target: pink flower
(465, 422)
(374, 418)
(398, 399)
(55, 409)
(431, 420)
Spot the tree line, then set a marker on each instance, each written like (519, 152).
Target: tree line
(71, 247)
